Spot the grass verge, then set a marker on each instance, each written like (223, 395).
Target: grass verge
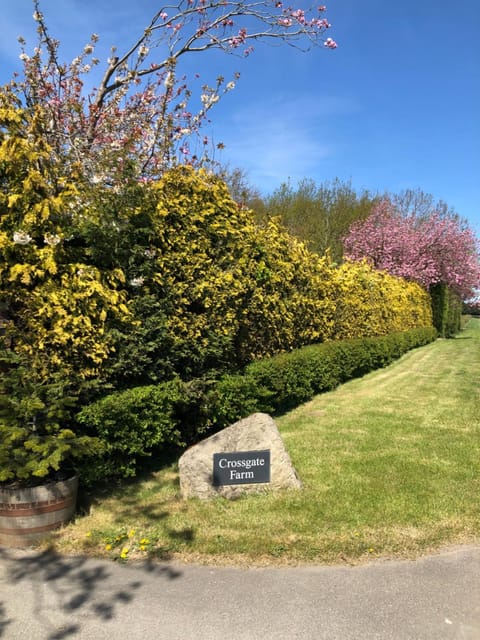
(390, 465)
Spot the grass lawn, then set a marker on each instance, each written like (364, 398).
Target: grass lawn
(390, 465)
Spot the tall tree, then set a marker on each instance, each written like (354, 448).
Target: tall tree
(242, 191)
(428, 247)
(319, 215)
(421, 205)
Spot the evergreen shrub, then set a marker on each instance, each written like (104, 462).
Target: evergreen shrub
(375, 303)
(131, 424)
(447, 310)
(293, 378)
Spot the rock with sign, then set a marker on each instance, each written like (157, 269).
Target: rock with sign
(249, 456)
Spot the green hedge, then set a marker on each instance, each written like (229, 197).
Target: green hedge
(289, 379)
(447, 310)
(130, 425)
(134, 423)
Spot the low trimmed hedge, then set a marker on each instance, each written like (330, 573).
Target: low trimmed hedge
(131, 424)
(136, 422)
(290, 379)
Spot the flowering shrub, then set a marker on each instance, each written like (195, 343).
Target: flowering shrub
(430, 250)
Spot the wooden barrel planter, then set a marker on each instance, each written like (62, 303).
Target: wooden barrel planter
(27, 515)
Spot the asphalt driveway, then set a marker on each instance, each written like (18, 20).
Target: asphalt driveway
(47, 597)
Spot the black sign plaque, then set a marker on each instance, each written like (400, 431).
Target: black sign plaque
(241, 467)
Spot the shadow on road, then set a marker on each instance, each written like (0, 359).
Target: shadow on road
(76, 588)
(4, 621)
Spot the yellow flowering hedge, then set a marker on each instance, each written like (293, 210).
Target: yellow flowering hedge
(374, 303)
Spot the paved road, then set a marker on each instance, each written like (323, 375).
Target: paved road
(47, 597)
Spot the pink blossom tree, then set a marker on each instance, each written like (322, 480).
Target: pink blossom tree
(138, 118)
(431, 250)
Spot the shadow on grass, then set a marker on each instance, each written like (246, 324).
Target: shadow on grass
(126, 489)
(141, 504)
(57, 592)
(183, 535)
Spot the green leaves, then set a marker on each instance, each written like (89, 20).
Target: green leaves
(151, 291)
(130, 425)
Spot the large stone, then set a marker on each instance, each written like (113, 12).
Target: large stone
(258, 432)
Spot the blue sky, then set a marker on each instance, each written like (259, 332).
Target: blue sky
(396, 106)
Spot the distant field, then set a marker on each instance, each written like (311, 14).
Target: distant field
(390, 465)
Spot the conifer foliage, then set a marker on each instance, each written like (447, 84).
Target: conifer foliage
(122, 268)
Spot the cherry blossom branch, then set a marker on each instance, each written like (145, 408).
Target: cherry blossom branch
(139, 111)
